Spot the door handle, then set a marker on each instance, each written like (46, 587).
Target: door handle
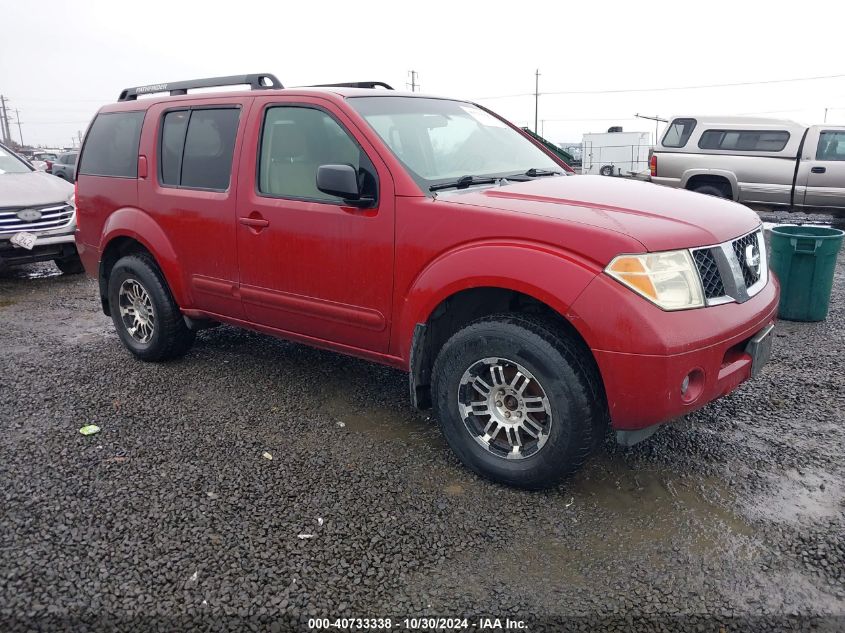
(255, 223)
(818, 170)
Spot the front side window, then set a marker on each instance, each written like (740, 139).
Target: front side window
(11, 164)
(831, 146)
(439, 140)
(678, 132)
(111, 146)
(295, 141)
(744, 140)
(196, 148)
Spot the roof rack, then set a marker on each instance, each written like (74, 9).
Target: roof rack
(354, 84)
(257, 81)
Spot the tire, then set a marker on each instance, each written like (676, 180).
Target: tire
(559, 368)
(606, 170)
(711, 190)
(70, 265)
(165, 335)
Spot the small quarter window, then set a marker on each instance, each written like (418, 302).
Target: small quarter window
(678, 133)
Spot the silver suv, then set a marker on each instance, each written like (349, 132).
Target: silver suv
(37, 216)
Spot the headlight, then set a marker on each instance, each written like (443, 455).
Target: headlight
(669, 280)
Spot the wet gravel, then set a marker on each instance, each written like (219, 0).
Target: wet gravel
(173, 518)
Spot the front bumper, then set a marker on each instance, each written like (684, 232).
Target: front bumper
(644, 354)
(47, 247)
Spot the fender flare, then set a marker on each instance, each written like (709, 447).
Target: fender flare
(723, 173)
(136, 224)
(503, 264)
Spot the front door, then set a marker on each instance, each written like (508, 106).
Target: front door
(822, 169)
(310, 264)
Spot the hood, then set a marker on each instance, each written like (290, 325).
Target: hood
(32, 189)
(658, 217)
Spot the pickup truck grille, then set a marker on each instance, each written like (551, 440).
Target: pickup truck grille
(51, 216)
(733, 271)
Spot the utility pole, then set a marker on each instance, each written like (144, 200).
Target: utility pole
(536, 98)
(657, 120)
(18, 119)
(413, 84)
(825, 115)
(7, 136)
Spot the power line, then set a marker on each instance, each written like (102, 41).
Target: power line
(666, 88)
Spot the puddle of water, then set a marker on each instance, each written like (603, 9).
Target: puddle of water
(384, 424)
(808, 495)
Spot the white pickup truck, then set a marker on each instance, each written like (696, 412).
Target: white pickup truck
(753, 161)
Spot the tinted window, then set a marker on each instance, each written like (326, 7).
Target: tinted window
(111, 147)
(197, 146)
(678, 133)
(71, 159)
(295, 142)
(831, 146)
(744, 140)
(172, 142)
(11, 164)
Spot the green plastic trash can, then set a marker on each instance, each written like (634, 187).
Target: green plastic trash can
(804, 259)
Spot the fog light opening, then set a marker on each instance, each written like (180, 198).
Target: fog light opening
(692, 385)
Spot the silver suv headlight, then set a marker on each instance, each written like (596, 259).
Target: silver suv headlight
(668, 279)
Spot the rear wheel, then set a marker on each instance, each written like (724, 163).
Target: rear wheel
(517, 400)
(711, 190)
(145, 315)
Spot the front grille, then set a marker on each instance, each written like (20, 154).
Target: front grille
(53, 216)
(711, 278)
(750, 275)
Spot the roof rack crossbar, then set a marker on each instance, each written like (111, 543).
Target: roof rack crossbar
(256, 81)
(354, 84)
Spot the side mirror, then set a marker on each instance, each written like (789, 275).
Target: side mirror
(339, 180)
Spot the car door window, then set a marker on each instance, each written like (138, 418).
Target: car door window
(295, 141)
(196, 148)
(831, 146)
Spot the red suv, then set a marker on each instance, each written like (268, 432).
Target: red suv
(531, 308)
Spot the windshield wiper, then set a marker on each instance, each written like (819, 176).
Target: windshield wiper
(463, 182)
(534, 172)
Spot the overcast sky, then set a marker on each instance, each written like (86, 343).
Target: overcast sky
(59, 61)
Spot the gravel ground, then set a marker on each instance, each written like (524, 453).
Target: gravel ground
(171, 518)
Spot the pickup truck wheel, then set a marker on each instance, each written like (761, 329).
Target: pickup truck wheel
(145, 315)
(711, 190)
(516, 400)
(70, 265)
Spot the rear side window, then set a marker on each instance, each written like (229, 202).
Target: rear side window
(196, 148)
(744, 140)
(831, 146)
(111, 146)
(679, 132)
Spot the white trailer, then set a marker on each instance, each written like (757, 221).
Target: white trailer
(615, 153)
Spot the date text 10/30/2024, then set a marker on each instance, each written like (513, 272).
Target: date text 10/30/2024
(411, 624)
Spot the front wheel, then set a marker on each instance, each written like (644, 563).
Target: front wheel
(70, 265)
(518, 400)
(145, 315)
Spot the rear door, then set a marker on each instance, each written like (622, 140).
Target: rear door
(309, 264)
(190, 190)
(821, 173)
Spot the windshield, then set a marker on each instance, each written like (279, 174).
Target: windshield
(440, 140)
(11, 164)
